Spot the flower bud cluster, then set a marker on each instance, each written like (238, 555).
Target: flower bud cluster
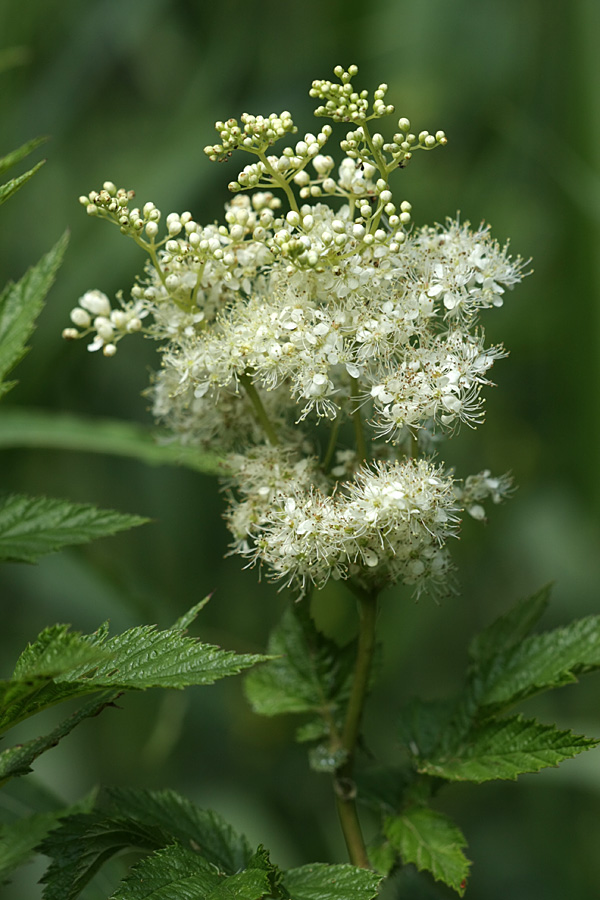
(94, 315)
(255, 133)
(343, 103)
(294, 313)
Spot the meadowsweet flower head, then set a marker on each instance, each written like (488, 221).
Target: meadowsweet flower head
(321, 340)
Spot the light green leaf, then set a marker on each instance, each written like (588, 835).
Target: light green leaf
(251, 884)
(430, 841)
(138, 659)
(511, 628)
(505, 749)
(312, 674)
(11, 187)
(16, 761)
(323, 882)
(33, 526)
(21, 303)
(174, 871)
(15, 156)
(542, 662)
(43, 430)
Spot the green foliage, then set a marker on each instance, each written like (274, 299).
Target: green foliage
(61, 665)
(322, 882)
(19, 839)
(192, 853)
(431, 841)
(20, 305)
(310, 675)
(33, 526)
(148, 821)
(36, 428)
(505, 748)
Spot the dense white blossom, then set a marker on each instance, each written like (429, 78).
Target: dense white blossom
(332, 310)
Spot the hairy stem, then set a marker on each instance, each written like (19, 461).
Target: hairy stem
(259, 410)
(345, 789)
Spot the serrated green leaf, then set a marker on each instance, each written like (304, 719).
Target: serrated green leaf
(323, 882)
(312, 674)
(511, 628)
(33, 526)
(203, 830)
(16, 761)
(138, 659)
(83, 843)
(252, 884)
(15, 156)
(542, 662)
(505, 749)
(173, 871)
(147, 820)
(19, 838)
(37, 428)
(11, 187)
(178, 872)
(21, 303)
(430, 841)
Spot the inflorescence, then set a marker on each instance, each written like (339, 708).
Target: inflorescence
(317, 301)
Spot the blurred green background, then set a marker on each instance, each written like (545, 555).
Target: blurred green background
(129, 91)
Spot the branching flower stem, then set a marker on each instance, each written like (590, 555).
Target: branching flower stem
(259, 410)
(345, 789)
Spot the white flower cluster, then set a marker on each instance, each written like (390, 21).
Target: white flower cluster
(342, 314)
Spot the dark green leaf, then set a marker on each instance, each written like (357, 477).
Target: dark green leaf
(12, 186)
(505, 749)
(511, 628)
(36, 428)
(424, 725)
(202, 830)
(322, 882)
(312, 674)
(147, 820)
(542, 662)
(33, 526)
(19, 838)
(430, 841)
(21, 303)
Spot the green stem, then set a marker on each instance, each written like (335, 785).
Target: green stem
(259, 410)
(281, 181)
(359, 431)
(345, 789)
(329, 453)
